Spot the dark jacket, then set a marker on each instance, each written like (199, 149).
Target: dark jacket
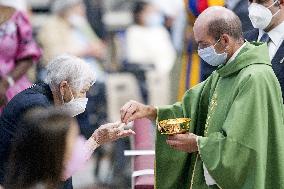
(277, 61)
(241, 10)
(38, 95)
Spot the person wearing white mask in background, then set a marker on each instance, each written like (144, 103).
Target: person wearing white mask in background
(147, 41)
(67, 82)
(267, 17)
(148, 45)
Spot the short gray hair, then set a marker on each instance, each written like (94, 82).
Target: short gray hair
(71, 69)
(230, 25)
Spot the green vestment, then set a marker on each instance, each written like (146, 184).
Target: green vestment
(239, 112)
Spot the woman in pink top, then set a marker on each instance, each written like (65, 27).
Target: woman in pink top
(18, 52)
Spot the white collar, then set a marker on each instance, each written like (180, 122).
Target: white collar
(276, 34)
(236, 54)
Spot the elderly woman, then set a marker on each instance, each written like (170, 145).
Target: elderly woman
(68, 79)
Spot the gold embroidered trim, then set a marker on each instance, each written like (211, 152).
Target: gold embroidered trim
(212, 106)
(193, 173)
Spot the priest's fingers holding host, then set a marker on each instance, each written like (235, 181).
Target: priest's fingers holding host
(135, 110)
(183, 142)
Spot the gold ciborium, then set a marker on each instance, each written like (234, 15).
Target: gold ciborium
(174, 126)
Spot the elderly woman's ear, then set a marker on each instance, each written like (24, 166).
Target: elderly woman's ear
(65, 91)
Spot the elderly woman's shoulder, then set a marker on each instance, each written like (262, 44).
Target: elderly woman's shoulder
(38, 95)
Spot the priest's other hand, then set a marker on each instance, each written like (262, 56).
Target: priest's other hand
(183, 142)
(134, 110)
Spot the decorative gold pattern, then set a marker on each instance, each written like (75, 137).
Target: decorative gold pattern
(193, 173)
(212, 106)
(174, 126)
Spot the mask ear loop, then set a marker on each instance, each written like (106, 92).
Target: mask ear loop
(276, 13)
(275, 2)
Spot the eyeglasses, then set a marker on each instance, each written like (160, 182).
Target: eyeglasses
(203, 46)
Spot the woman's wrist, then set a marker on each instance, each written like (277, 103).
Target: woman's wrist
(92, 143)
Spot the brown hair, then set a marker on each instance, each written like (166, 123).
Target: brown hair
(231, 26)
(38, 150)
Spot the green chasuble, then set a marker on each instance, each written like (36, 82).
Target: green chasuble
(238, 111)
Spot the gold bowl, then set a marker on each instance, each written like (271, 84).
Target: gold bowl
(174, 126)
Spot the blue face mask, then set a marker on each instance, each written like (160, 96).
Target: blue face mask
(210, 56)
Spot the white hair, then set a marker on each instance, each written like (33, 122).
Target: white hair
(62, 5)
(71, 69)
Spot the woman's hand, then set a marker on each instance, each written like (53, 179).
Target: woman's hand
(111, 132)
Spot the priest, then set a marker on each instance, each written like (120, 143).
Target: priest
(236, 136)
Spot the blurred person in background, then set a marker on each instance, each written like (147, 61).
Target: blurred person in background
(95, 12)
(48, 149)
(67, 82)
(18, 52)
(148, 44)
(68, 31)
(267, 17)
(174, 13)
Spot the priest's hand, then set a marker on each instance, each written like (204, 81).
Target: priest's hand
(183, 142)
(134, 110)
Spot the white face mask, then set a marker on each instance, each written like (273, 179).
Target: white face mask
(210, 55)
(260, 15)
(76, 106)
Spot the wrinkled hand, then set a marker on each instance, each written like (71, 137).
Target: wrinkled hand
(183, 142)
(111, 132)
(134, 110)
(3, 88)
